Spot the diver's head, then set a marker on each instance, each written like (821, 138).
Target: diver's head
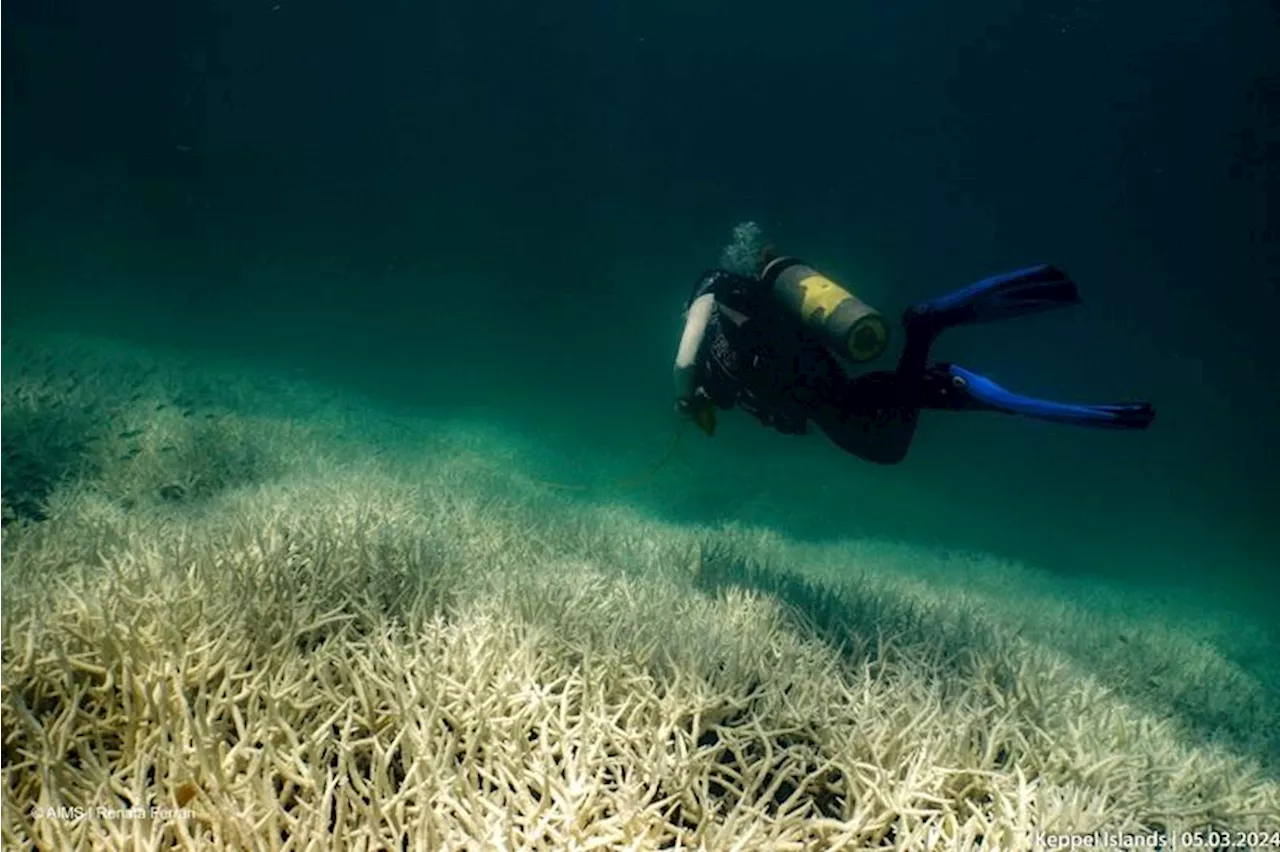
(742, 256)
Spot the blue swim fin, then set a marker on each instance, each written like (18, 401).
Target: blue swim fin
(1013, 294)
(949, 387)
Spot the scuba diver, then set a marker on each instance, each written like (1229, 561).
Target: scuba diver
(768, 334)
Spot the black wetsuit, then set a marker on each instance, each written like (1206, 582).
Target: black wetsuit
(758, 358)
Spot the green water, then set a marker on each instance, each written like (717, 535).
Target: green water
(498, 209)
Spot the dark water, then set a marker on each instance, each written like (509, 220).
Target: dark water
(501, 206)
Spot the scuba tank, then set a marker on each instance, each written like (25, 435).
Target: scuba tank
(835, 315)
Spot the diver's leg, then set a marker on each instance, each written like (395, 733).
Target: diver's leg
(872, 416)
(875, 415)
(1012, 294)
(952, 388)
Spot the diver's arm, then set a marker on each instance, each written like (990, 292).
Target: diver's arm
(695, 328)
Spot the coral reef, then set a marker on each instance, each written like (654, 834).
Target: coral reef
(313, 646)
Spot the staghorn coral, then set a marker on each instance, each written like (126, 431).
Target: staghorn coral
(427, 654)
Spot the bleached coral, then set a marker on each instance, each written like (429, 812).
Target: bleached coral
(428, 655)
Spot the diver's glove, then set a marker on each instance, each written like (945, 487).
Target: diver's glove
(700, 409)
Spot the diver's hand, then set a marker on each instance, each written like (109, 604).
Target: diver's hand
(688, 406)
(699, 409)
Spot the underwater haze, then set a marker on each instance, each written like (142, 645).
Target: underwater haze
(494, 212)
(505, 204)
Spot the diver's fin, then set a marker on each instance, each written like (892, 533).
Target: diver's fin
(949, 387)
(1013, 294)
